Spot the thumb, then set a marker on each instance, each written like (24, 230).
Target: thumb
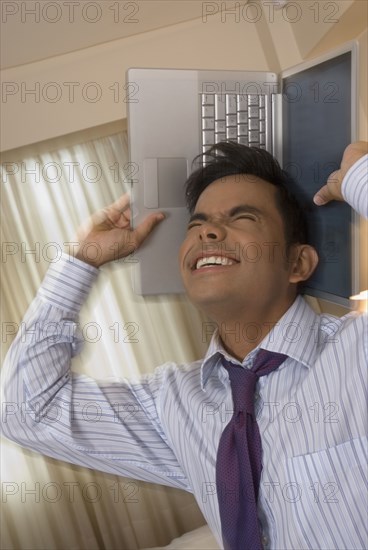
(331, 191)
(322, 196)
(147, 226)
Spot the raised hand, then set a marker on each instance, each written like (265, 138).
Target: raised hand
(108, 235)
(332, 189)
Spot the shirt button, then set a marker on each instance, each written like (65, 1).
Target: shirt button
(264, 541)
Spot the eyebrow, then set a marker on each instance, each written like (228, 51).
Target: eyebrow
(240, 209)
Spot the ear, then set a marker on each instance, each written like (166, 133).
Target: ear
(304, 260)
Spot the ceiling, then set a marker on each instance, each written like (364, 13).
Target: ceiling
(36, 30)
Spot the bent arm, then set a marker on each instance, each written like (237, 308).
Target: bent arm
(113, 427)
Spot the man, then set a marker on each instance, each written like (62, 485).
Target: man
(309, 411)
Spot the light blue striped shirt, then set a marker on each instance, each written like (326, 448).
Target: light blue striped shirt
(166, 428)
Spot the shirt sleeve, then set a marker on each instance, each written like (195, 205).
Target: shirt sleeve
(354, 186)
(110, 426)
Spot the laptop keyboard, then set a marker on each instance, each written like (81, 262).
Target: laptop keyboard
(235, 117)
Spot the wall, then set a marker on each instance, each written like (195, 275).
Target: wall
(85, 88)
(194, 44)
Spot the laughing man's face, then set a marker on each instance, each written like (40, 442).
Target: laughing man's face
(235, 250)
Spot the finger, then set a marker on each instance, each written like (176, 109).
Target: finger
(122, 203)
(118, 213)
(330, 191)
(122, 206)
(123, 219)
(323, 196)
(145, 228)
(113, 217)
(127, 214)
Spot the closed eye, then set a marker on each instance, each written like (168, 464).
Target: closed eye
(196, 220)
(245, 212)
(193, 224)
(251, 217)
(240, 212)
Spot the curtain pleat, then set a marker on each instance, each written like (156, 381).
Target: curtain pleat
(47, 504)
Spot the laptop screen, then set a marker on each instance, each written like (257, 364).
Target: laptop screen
(317, 126)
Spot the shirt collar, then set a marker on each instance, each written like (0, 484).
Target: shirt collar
(295, 334)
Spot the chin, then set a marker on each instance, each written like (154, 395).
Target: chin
(209, 298)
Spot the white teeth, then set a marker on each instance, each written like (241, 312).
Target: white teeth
(213, 260)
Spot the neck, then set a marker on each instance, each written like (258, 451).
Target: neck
(242, 331)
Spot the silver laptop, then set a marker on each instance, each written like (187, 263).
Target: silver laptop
(305, 117)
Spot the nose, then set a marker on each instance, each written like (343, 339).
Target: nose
(211, 232)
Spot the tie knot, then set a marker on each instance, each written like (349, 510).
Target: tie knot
(243, 383)
(267, 361)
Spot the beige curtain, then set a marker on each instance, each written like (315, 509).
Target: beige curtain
(47, 504)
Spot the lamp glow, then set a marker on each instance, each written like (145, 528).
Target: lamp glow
(361, 296)
(362, 301)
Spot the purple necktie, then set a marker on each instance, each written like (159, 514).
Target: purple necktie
(239, 457)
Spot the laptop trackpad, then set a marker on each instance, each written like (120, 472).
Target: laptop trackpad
(164, 180)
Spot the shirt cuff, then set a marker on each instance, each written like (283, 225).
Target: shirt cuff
(67, 283)
(354, 186)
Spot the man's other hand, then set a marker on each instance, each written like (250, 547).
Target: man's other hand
(108, 235)
(332, 189)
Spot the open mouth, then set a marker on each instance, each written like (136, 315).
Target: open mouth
(213, 261)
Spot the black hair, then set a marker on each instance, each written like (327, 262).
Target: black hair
(230, 158)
